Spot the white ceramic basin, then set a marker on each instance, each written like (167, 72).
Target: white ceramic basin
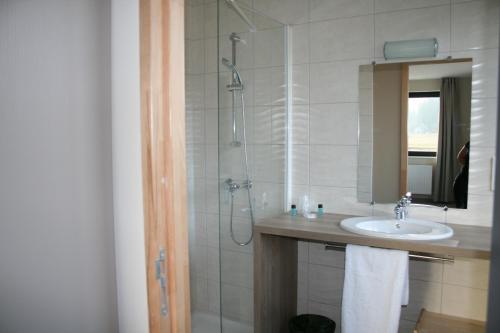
(409, 229)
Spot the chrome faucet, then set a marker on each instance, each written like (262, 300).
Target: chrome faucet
(401, 209)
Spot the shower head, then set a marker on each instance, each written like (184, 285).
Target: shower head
(228, 64)
(234, 5)
(233, 68)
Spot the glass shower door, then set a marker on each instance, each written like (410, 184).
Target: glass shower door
(252, 136)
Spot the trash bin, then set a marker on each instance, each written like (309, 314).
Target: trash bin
(311, 323)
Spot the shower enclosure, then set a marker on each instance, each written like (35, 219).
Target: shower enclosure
(252, 123)
(245, 143)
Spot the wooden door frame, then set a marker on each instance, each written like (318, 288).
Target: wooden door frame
(164, 161)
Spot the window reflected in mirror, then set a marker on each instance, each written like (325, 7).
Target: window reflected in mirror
(423, 123)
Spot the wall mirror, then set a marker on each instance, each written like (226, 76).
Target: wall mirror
(414, 132)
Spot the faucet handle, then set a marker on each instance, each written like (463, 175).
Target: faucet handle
(405, 199)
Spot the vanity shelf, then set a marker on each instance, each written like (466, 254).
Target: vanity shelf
(467, 241)
(275, 258)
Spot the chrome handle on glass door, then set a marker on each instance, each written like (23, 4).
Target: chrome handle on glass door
(162, 279)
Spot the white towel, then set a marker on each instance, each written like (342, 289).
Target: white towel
(375, 287)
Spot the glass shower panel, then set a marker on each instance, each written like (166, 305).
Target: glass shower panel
(252, 126)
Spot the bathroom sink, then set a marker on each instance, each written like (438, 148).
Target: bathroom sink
(408, 229)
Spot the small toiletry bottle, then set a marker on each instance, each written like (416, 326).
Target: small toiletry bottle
(293, 211)
(304, 206)
(320, 210)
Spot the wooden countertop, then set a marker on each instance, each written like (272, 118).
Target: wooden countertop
(467, 241)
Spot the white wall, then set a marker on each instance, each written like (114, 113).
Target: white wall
(127, 172)
(56, 219)
(425, 85)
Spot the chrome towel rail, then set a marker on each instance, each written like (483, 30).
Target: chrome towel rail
(341, 247)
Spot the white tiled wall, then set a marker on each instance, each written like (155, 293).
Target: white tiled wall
(202, 154)
(330, 40)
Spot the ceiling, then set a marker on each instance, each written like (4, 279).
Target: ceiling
(438, 71)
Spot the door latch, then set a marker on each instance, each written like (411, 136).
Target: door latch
(162, 279)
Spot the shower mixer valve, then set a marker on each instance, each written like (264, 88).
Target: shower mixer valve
(232, 186)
